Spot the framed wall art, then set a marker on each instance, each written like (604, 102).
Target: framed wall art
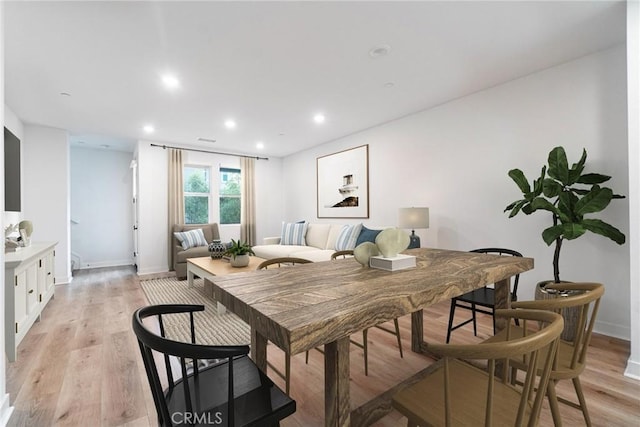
(343, 184)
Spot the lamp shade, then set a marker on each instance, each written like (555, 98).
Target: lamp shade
(413, 218)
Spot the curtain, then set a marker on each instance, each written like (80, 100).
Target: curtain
(175, 196)
(248, 201)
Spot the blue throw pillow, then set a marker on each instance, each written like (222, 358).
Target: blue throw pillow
(367, 235)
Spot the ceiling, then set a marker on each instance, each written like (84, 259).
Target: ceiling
(271, 66)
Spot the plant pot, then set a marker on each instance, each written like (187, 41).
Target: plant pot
(239, 260)
(570, 315)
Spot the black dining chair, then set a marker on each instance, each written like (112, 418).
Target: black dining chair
(481, 300)
(214, 384)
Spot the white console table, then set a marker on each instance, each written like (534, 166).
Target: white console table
(29, 285)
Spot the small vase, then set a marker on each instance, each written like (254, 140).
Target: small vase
(217, 249)
(239, 260)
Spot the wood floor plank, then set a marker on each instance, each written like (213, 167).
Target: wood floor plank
(84, 341)
(85, 381)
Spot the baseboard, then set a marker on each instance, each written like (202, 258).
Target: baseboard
(100, 264)
(5, 411)
(152, 270)
(63, 280)
(633, 369)
(612, 330)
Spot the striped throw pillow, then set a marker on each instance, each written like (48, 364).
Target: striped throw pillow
(191, 238)
(293, 233)
(348, 237)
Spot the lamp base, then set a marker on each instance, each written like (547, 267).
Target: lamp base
(414, 241)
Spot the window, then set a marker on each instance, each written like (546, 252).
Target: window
(229, 196)
(197, 189)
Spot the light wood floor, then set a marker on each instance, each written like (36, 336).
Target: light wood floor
(80, 366)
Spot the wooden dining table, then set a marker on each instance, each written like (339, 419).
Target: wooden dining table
(321, 304)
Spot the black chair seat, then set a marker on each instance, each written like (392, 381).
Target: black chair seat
(480, 300)
(214, 385)
(256, 401)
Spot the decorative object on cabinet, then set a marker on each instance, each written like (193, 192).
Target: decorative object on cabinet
(29, 285)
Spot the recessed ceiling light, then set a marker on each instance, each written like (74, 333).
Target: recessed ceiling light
(230, 124)
(170, 81)
(65, 94)
(389, 85)
(105, 146)
(380, 50)
(319, 118)
(259, 145)
(148, 129)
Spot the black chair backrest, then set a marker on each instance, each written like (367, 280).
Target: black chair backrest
(503, 251)
(150, 341)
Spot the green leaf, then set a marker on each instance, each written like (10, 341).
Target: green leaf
(550, 234)
(551, 188)
(542, 203)
(566, 205)
(573, 230)
(602, 228)
(577, 168)
(593, 178)
(520, 180)
(595, 201)
(517, 208)
(558, 166)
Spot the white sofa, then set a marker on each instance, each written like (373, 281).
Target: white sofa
(320, 244)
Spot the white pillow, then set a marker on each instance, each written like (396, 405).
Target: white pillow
(348, 237)
(293, 233)
(191, 238)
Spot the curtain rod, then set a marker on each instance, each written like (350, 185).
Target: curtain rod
(211, 152)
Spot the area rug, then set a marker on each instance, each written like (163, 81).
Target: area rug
(211, 328)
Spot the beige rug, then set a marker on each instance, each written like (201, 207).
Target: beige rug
(211, 327)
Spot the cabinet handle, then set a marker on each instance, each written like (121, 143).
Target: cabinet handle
(30, 291)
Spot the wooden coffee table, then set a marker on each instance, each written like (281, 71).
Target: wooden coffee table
(207, 266)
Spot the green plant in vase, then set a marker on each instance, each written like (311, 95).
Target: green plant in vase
(569, 195)
(239, 252)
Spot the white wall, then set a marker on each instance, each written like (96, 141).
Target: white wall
(101, 208)
(633, 77)
(5, 409)
(454, 159)
(45, 196)
(152, 201)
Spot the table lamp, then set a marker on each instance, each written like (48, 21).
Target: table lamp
(413, 218)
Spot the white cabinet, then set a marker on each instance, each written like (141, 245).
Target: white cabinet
(29, 285)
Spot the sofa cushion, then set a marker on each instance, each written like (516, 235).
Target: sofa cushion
(348, 237)
(317, 235)
(279, 251)
(191, 238)
(317, 255)
(334, 232)
(198, 251)
(367, 235)
(293, 233)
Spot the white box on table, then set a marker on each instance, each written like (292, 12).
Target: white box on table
(399, 262)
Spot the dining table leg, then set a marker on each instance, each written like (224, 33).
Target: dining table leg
(259, 350)
(417, 331)
(337, 404)
(502, 299)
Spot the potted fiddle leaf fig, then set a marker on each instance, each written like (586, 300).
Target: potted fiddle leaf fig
(569, 195)
(239, 252)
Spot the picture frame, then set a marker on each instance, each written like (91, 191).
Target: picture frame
(343, 183)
